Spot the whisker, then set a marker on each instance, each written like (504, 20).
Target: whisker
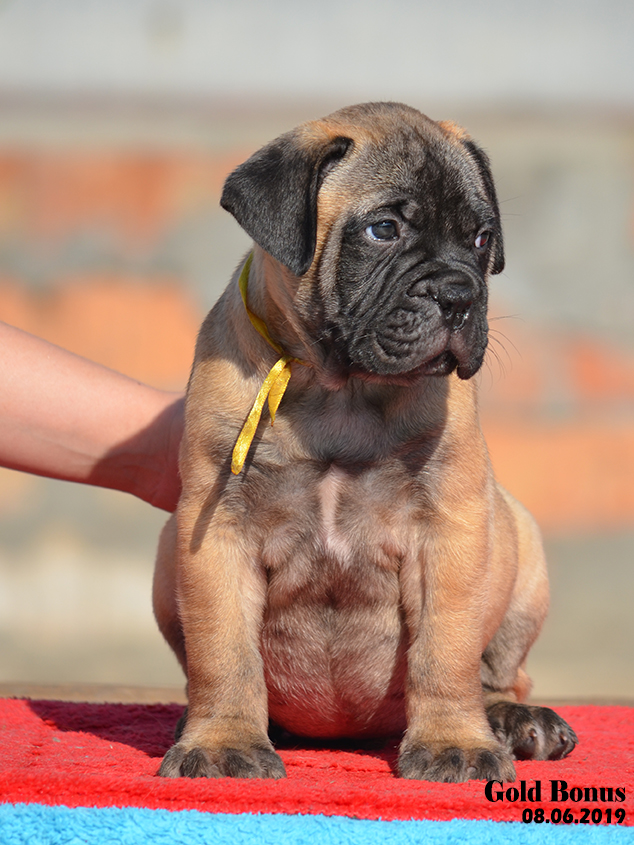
(496, 334)
(493, 353)
(506, 317)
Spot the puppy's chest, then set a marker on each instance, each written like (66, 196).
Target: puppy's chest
(333, 639)
(335, 529)
(333, 564)
(339, 527)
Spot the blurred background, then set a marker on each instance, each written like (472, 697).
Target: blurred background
(120, 119)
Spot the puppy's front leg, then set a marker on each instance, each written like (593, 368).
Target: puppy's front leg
(448, 738)
(221, 596)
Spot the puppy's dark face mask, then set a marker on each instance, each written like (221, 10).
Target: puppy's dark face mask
(396, 231)
(402, 277)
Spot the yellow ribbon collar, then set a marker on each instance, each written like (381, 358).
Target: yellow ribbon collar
(274, 384)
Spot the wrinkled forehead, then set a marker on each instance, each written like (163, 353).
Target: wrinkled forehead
(405, 165)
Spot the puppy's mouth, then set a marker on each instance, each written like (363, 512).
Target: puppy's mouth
(369, 362)
(448, 361)
(440, 365)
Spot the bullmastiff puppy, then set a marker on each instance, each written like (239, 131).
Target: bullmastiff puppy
(353, 570)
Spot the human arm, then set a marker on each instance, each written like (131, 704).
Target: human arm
(65, 417)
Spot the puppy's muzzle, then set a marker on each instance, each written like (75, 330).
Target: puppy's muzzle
(437, 325)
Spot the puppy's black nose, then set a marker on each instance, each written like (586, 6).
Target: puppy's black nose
(454, 300)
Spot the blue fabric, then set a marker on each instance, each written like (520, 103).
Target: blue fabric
(37, 824)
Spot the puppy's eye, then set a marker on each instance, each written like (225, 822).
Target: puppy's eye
(386, 230)
(482, 240)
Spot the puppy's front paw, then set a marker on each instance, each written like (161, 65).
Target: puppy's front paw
(199, 762)
(531, 733)
(454, 765)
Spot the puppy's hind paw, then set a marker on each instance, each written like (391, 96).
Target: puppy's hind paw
(529, 732)
(198, 762)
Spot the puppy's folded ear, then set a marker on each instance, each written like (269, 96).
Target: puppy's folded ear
(273, 195)
(482, 161)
